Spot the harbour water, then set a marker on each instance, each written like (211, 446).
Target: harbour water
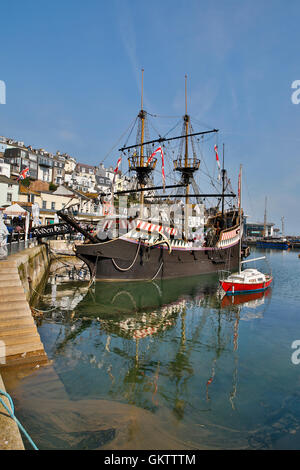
(167, 365)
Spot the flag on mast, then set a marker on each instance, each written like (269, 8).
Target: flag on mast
(118, 164)
(218, 162)
(24, 173)
(116, 169)
(163, 169)
(159, 149)
(152, 155)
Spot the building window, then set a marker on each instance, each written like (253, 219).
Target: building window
(53, 206)
(9, 197)
(44, 204)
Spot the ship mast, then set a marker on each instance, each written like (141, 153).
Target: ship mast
(265, 218)
(186, 120)
(139, 163)
(240, 218)
(142, 118)
(187, 166)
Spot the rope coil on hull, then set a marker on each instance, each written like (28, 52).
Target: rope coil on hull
(131, 265)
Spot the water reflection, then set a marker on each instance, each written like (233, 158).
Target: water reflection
(150, 344)
(168, 365)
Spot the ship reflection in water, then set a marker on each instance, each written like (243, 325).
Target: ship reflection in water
(165, 365)
(156, 345)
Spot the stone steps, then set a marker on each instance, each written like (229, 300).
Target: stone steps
(19, 349)
(18, 333)
(22, 338)
(17, 296)
(15, 321)
(11, 291)
(16, 329)
(10, 283)
(9, 276)
(10, 306)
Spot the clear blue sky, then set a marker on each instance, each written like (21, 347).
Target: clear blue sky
(72, 74)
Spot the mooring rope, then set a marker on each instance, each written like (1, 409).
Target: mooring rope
(129, 267)
(12, 415)
(157, 271)
(33, 309)
(93, 274)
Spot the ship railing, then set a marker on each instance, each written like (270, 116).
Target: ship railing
(181, 163)
(138, 161)
(229, 235)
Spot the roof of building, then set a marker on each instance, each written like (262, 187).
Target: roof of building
(5, 179)
(84, 165)
(92, 195)
(63, 191)
(106, 181)
(260, 223)
(24, 190)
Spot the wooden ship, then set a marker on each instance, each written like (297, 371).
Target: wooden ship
(146, 248)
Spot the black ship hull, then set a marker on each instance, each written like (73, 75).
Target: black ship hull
(123, 260)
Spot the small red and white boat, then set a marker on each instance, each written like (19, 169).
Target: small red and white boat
(248, 280)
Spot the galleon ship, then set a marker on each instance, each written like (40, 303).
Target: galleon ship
(153, 243)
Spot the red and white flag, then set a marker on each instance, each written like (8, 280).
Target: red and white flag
(116, 169)
(24, 173)
(151, 156)
(218, 161)
(159, 149)
(118, 164)
(163, 168)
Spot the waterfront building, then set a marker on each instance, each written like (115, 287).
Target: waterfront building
(4, 168)
(258, 229)
(20, 158)
(6, 143)
(49, 202)
(103, 184)
(70, 163)
(58, 173)
(82, 179)
(45, 165)
(107, 177)
(9, 189)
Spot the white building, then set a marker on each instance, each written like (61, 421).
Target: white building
(4, 168)
(9, 191)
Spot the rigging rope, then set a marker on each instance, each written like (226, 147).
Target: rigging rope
(132, 124)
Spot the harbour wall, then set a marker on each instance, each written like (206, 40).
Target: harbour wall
(21, 349)
(32, 265)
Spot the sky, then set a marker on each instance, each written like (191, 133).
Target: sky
(72, 71)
